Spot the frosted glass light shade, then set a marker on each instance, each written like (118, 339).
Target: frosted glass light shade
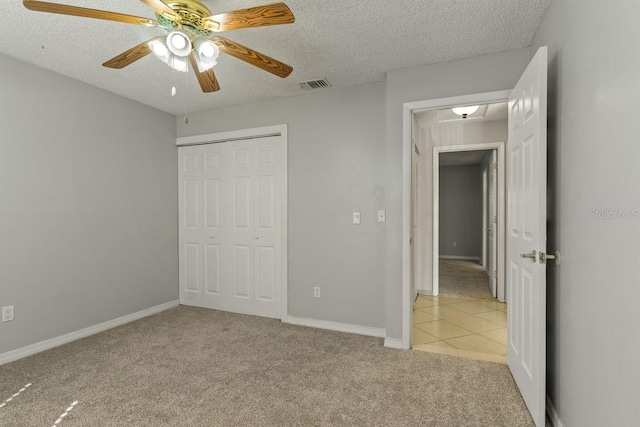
(465, 111)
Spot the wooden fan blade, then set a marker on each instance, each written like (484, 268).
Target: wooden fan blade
(260, 16)
(63, 9)
(130, 56)
(160, 7)
(252, 57)
(207, 80)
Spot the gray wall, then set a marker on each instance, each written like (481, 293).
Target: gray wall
(593, 318)
(88, 205)
(336, 166)
(460, 211)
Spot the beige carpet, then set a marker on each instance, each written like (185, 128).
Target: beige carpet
(463, 278)
(198, 367)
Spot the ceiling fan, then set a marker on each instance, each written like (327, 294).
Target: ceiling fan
(189, 25)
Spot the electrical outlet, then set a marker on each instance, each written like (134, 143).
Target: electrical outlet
(455, 244)
(7, 313)
(356, 217)
(382, 216)
(316, 292)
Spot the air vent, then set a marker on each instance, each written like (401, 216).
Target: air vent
(315, 84)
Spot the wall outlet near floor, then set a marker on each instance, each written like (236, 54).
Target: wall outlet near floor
(316, 292)
(7, 313)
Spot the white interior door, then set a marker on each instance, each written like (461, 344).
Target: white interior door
(526, 291)
(213, 256)
(493, 226)
(240, 227)
(190, 220)
(267, 220)
(254, 223)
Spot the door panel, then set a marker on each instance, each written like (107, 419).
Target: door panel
(189, 218)
(239, 227)
(214, 230)
(526, 292)
(267, 217)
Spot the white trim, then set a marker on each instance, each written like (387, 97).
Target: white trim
(337, 326)
(407, 112)
(38, 347)
(261, 132)
(233, 135)
(553, 414)
(466, 258)
(501, 213)
(394, 343)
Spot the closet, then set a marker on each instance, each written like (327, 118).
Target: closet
(230, 225)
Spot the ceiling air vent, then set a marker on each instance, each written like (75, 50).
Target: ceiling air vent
(315, 84)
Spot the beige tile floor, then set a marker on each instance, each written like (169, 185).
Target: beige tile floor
(466, 327)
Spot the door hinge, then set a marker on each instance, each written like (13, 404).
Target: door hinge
(495, 219)
(495, 165)
(495, 274)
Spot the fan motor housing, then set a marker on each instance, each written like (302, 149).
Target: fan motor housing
(191, 12)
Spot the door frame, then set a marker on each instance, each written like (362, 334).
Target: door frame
(500, 212)
(485, 193)
(407, 115)
(251, 133)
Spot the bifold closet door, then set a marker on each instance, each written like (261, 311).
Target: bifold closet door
(254, 217)
(201, 191)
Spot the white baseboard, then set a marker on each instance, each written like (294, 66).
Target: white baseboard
(395, 343)
(553, 414)
(467, 258)
(336, 326)
(32, 349)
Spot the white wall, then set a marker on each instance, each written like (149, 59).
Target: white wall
(438, 135)
(593, 318)
(336, 166)
(88, 206)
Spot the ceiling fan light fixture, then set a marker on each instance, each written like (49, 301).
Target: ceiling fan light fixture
(465, 111)
(206, 53)
(178, 43)
(160, 50)
(179, 63)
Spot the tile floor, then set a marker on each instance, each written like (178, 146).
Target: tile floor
(467, 327)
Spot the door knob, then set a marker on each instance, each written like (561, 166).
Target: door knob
(533, 256)
(544, 257)
(488, 229)
(257, 237)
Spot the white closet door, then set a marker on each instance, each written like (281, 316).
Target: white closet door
(239, 226)
(190, 228)
(213, 257)
(267, 220)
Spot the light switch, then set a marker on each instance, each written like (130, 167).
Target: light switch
(356, 217)
(382, 215)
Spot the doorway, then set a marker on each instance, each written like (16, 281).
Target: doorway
(465, 236)
(457, 267)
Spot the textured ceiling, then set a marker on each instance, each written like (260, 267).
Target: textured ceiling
(349, 42)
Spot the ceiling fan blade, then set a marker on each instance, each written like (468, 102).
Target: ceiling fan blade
(207, 79)
(63, 9)
(160, 7)
(252, 57)
(260, 16)
(130, 56)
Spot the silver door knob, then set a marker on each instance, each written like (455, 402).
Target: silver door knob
(533, 256)
(257, 237)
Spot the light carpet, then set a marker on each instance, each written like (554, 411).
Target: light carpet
(199, 367)
(463, 278)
